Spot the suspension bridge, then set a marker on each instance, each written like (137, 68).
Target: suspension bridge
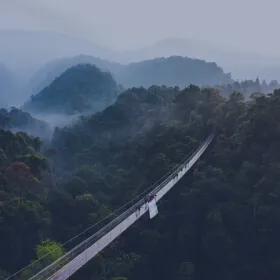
(79, 255)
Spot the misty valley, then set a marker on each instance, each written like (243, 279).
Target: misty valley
(80, 136)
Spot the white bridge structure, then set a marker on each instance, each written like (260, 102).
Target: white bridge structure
(77, 257)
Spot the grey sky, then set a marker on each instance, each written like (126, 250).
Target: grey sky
(125, 24)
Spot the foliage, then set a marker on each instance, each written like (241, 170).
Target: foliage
(50, 249)
(220, 222)
(21, 196)
(46, 253)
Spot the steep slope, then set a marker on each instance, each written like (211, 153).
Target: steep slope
(79, 89)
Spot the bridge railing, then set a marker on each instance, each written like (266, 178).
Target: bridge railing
(51, 269)
(48, 271)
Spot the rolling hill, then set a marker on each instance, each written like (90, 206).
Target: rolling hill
(79, 89)
(47, 74)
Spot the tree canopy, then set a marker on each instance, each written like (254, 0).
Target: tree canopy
(220, 222)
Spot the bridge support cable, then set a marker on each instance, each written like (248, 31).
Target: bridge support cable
(68, 264)
(73, 260)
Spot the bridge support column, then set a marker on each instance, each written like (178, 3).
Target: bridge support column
(153, 210)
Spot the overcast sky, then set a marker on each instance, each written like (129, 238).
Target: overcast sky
(125, 24)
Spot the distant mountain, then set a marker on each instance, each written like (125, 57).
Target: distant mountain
(47, 74)
(172, 71)
(79, 89)
(193, 49)
(25, 52)
(28, 53)
(242, 64)
(31, 49)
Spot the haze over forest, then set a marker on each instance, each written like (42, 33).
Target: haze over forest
(101, 99)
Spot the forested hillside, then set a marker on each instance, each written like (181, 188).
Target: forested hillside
(221, 222)
(17, 120)
(80, 89)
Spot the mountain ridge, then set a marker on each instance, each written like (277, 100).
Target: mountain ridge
(172, 71)
(35, 44)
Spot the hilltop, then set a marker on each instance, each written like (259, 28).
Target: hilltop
(53, 69)
(79, 89)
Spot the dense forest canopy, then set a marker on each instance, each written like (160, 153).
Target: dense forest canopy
(220, 222)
